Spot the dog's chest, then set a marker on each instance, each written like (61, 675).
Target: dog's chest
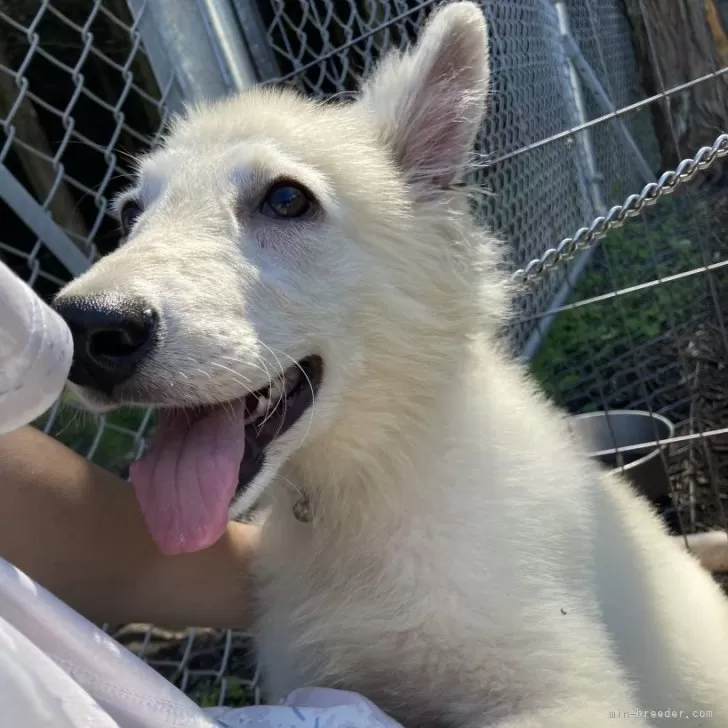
(348, 620)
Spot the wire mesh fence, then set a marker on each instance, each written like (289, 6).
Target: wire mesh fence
(641, 326)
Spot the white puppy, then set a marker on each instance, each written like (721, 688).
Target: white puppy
(306, 298)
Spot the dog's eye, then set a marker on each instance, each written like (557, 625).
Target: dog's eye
(128, 215)
(286, 200)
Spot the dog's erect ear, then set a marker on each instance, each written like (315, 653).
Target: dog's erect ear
(430, 101)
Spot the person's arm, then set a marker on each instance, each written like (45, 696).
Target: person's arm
(76, 530)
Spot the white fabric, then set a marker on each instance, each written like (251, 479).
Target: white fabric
(57, 670)
(35, 353)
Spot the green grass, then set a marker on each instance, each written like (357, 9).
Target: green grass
(665, 244)
(206, 693)
(109, 440)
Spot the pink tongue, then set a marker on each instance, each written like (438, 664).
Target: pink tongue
(185, 482)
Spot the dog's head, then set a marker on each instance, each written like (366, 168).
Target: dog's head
(279, 251)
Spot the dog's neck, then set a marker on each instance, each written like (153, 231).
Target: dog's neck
(366, 466)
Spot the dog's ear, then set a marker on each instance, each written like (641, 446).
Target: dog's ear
(430, 102)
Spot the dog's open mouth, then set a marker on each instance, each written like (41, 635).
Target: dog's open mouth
(271, 411)
(199, 459)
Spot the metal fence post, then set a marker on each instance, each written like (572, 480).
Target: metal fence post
(590, 78)
(200, 42)
(593, 179)
(41, 223)
(233, 52)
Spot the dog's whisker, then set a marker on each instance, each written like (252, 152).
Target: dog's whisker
(238, 378)
(311, 409)
(281, 376)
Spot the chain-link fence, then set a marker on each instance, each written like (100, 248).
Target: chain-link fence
(86, 85)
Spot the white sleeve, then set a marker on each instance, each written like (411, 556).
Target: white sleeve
(54, 662)
(35, 353)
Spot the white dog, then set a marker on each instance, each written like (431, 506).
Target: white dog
(304, 295)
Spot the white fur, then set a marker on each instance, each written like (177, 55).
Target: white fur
(465, 565)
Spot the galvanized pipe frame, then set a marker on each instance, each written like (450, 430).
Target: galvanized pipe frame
(200, 42)
(39, 220)
(592, 176)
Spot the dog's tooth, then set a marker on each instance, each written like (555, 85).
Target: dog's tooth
(292, 378)
(254, 414)
(262, 408)
(277, 390)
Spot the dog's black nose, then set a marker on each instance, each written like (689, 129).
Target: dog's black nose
(112, 334)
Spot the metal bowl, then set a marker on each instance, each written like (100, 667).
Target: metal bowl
(644, 466)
